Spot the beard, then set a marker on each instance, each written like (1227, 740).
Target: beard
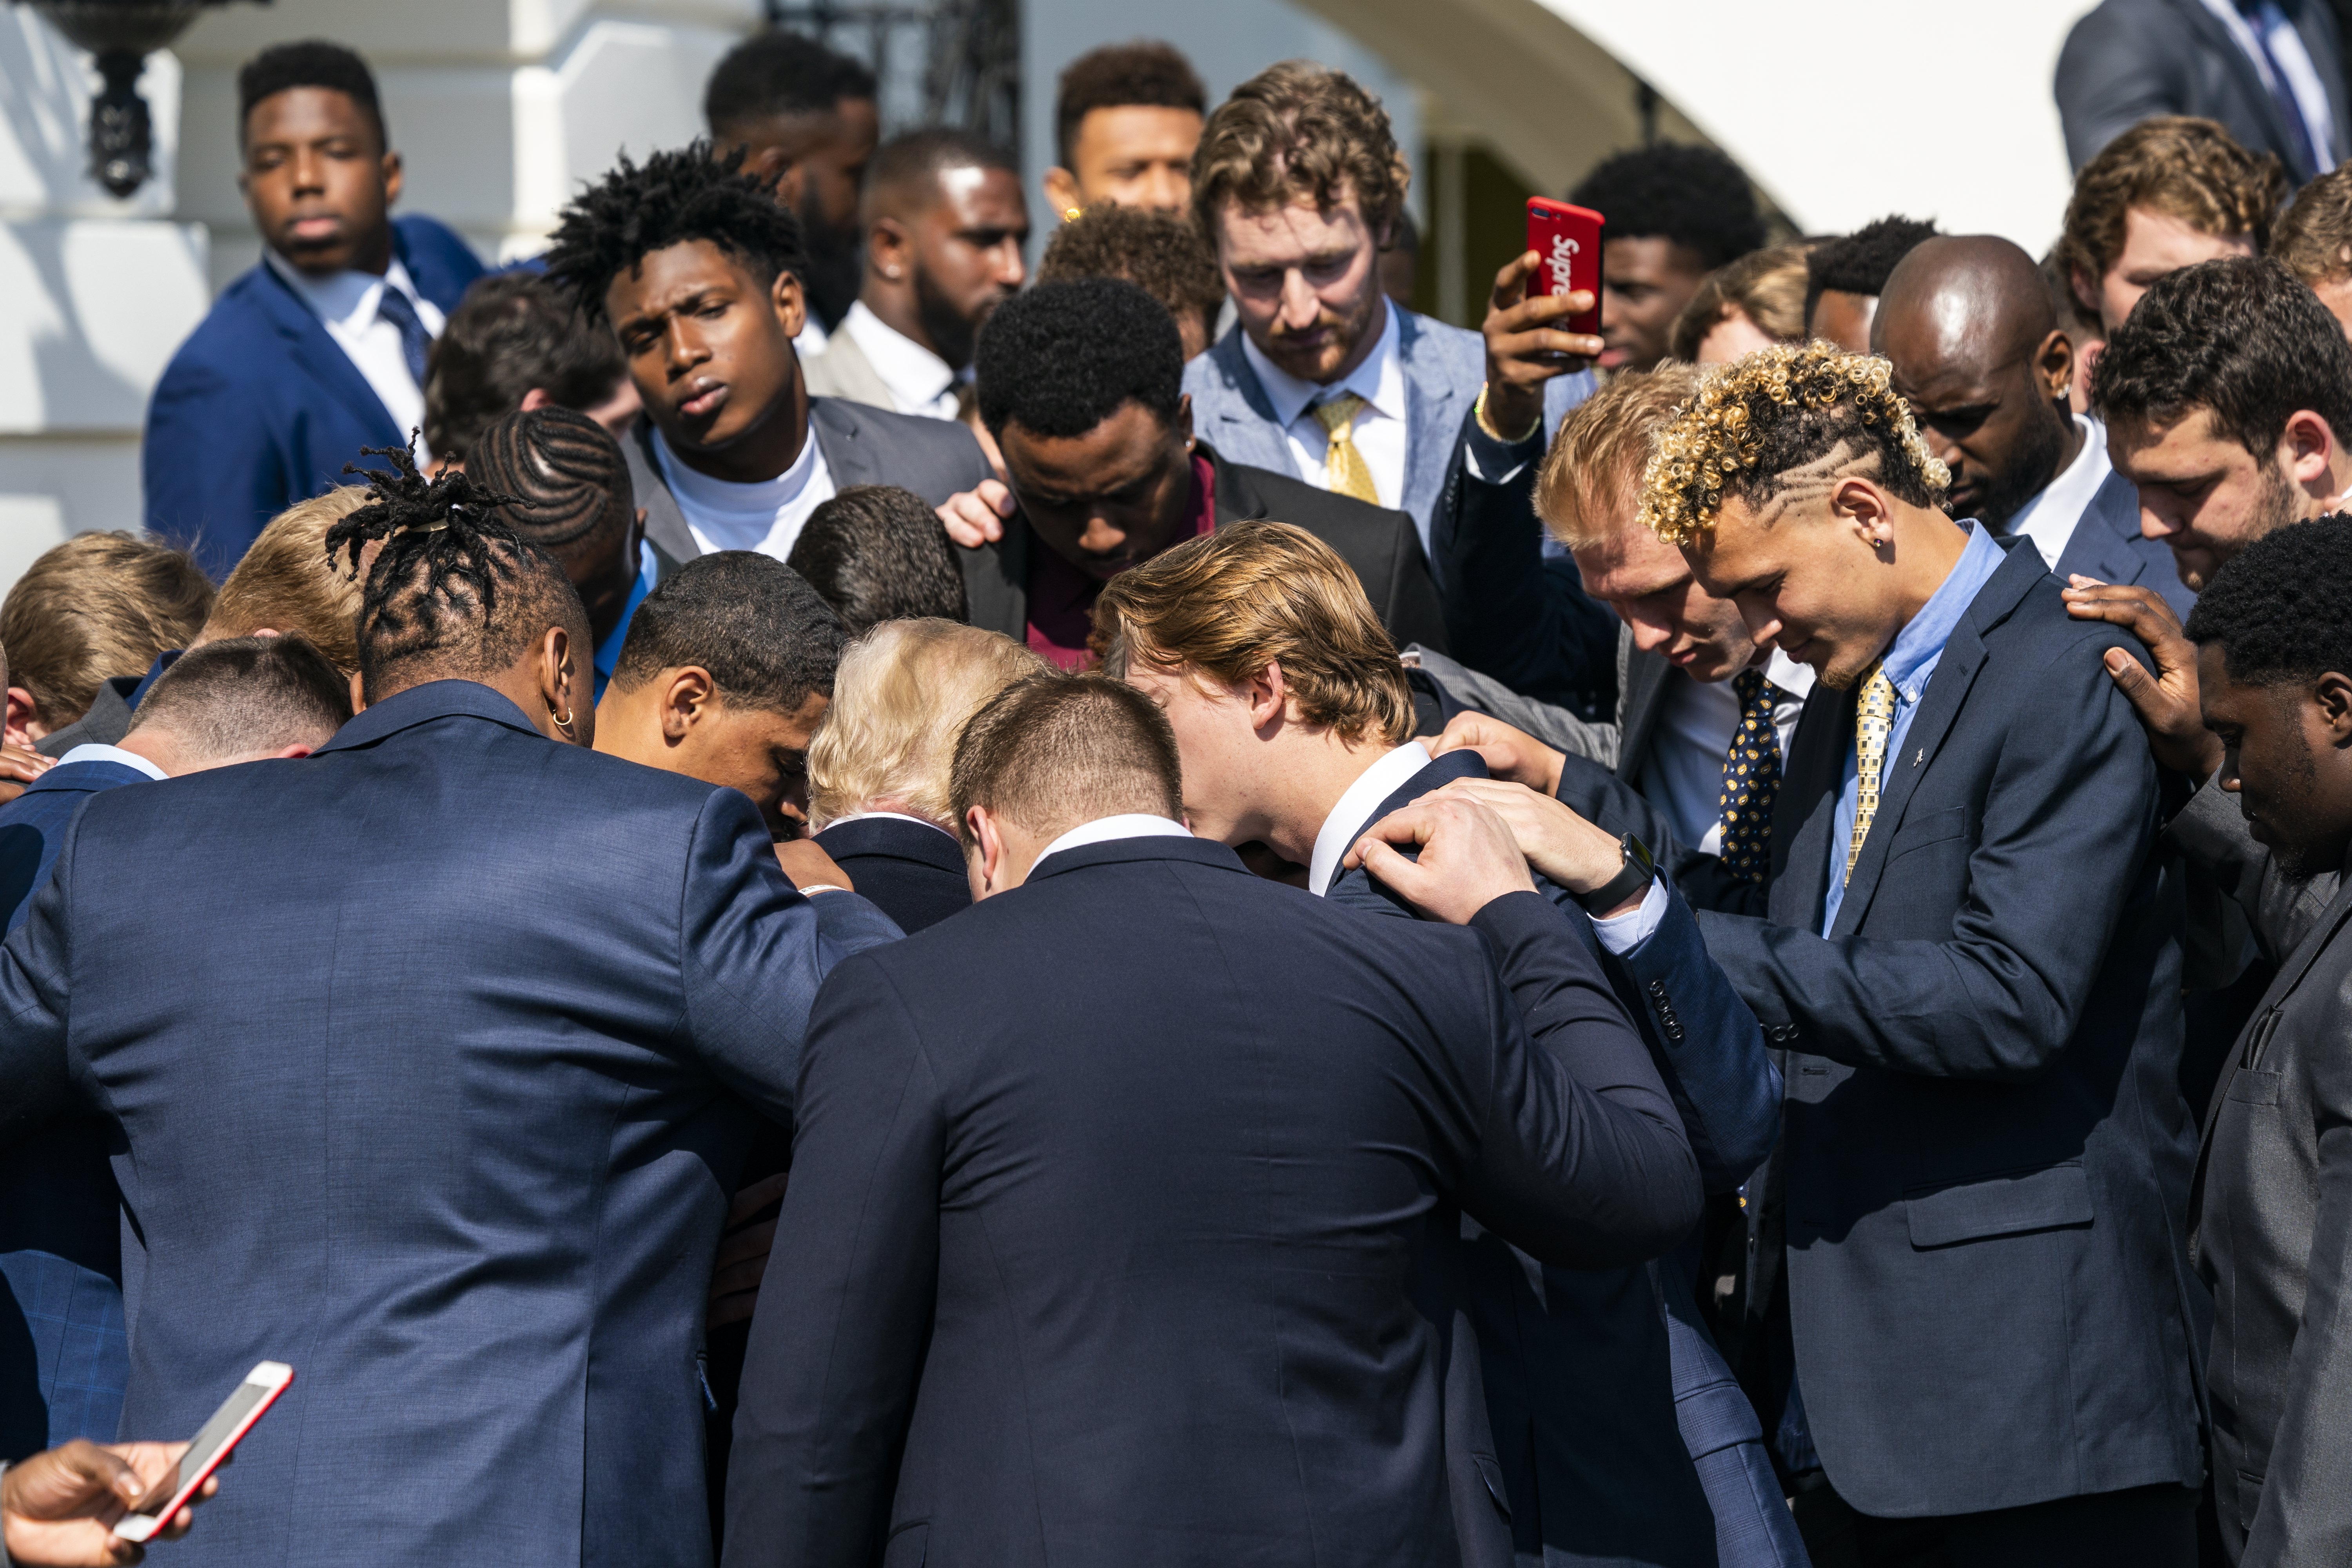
(2035, 465)
(836, 268)
(952, 334)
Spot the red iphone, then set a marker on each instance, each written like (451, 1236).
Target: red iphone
(1569, 240)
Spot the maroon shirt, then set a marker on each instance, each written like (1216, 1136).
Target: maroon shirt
(1062, 596)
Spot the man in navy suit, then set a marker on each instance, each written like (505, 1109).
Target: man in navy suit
(1970, 1248)
(1119, 1270)
(1618, 1431)
(319, 350)
(433, 1058)
(63, 1354)
(1967, 322)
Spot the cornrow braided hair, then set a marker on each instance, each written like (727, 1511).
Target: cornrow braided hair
(1782, 418)
(445, 563)
(566, 473)
(669, 199)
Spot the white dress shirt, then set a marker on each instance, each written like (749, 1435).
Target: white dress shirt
(2302, 83)
(1684, 776)
(1380, 429)
(91, 752)
(345, 304)
(2048, 519)
(920, 382)
(766, 517)
(1373, 786)
(1103, 829)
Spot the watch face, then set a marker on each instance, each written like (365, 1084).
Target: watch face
(1638, 853)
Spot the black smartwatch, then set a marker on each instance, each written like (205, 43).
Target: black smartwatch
(1630, 878)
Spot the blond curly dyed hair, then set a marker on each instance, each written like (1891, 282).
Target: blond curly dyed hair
(1755, 422)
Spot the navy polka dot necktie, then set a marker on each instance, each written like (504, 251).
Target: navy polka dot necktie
(1751, 777)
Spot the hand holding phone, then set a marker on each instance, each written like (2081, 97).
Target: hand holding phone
(1544, 317)
(208, 1452)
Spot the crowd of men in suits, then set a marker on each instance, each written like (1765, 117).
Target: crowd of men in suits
(855, 909)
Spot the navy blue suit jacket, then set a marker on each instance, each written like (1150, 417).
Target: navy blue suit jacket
(260, 408)
(1116, 1269)
(912, 873)
(439, 1107)
(63, 1352)
(1620, 1432)
(2108, 544)
(1985, 1168)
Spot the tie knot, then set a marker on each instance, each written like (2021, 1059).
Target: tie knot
(1748, 684)
(1338, 414)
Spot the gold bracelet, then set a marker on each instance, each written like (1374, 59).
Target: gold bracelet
(1478, 412)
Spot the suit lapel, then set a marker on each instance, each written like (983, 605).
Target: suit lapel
(1648, 677)
(665, 528)
(2100, 546)
(2282, 986)
(1805, 812)
(1432, 413)
(1234, 415)
(2219, 42)
(848, 456)
(316, 350)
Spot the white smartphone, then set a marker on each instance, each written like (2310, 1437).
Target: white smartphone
(211, 1447)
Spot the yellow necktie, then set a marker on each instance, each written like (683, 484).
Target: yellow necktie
(1873, 721)
(1344, 470)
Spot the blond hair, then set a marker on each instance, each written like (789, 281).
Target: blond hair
(1590, 484)
(1755, 422)
(287, 583)
(1767, 287)
(901, 696)
(2314, 240)
(98, 606)
(2183, 167)
(1228, 604)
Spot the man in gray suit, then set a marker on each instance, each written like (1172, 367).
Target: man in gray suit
(2271, 70)
(1979, 354)
(697, 268)
(2272, 1208)
(1322, 376)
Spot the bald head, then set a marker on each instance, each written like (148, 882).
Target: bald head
(1977, 351)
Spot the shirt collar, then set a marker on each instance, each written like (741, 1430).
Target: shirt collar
(1911, 657)
(1379, 381)
(347, 299)
(1373, 786)
(914, 375)
(726, 499)
(91, 751)
(1796, 679)
(2048, 519)
(1103, 829)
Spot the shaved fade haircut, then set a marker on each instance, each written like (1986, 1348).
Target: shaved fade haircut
(775, 74)
(904, 178)
(766, 639)
(1144, 74)
(1779, 426)
(243, 695)
(1053, 751)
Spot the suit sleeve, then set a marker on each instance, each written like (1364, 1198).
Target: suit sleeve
(2210, 833)
(35, 996)
(2115, 71)
(1414, 613)
(2068, 829)
(753, 953)
(1583, 1161)
(1596, 795)
(1708, 1047)
(211, 470)
(1510, 612)
(2304, 1519)
(837, 1341)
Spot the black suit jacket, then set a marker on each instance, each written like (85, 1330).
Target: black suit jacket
(912, 873)
(2131, 59)
(862, 445)
(1379, 544)
(1116, 1270)
(1986, 1155)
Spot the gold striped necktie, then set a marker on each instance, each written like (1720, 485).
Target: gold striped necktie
(1344, 470)
(1873, 721)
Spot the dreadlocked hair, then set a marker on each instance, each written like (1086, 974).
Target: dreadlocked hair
(567, 474)
(671, 198)
(453, 588)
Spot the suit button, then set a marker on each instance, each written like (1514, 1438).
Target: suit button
(1657, 988)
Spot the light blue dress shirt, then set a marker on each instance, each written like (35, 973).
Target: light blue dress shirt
(1911, 661)
(608, 652)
